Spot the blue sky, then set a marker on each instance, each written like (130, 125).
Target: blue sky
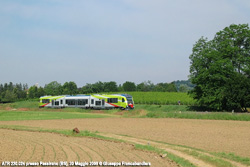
(86, 41)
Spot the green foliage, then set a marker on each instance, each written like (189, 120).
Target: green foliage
(9, 96)
(87, 89)
(53, 88)
(110, 86)
(183, 84)
(35, 92)
(129, 86)
(165, 87)
(12, 92)
(99, 87)
(183, 88)
(69, 88)
(145, 86)
(220, 69)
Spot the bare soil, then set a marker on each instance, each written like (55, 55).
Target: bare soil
(48, 147)
(210, 135)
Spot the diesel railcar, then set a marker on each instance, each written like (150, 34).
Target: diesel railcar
(97, 101)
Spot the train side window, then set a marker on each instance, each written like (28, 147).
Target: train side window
(92, 101)
(45, 100)
(123, 100)
(82, 101)
(112, 100)
(57, 103)
(61, 102)
(71, 102)
(98, 103)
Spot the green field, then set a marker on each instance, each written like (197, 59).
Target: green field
(163, 98)
(46, 115)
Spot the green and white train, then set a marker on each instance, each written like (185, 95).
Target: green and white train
(123, 101)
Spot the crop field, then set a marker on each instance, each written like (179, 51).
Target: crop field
(163, 98)
(114, 136)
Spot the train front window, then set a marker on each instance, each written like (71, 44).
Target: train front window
(130, 100)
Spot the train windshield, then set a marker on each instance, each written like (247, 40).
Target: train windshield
(130, 100)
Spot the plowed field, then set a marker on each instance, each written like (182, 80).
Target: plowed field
(211, 135)
(47, 147)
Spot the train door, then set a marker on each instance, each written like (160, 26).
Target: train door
(91, 102)
(103, 102)
(52, 103)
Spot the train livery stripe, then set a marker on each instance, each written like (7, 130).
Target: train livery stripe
(45, 105)
(113, 104)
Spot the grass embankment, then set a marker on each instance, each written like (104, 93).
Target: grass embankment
(183, 112)
(46, 115)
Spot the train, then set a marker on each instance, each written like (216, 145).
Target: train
(96, 101)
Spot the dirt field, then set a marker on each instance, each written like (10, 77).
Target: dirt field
(47, 147)
(211, 135)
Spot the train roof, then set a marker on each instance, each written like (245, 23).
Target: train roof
(49, 96)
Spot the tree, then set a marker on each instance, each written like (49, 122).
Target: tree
(32, 93)
(129, 86)
(145, 86)
(120, 88)
(69, 88)
(98, 87)
(171, 87)
(110, 86)
(183, 88)
(220, 69)
(184, 84)
(40, 92)
(87, 89)
(165, 87)
(53, 88)
(9, 96)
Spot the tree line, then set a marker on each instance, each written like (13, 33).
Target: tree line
(10, 92)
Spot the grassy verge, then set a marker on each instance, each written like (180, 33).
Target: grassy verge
(46, 115)
(211, 160)
(173, 157)
(229, 156)
(31, 104)
(200, 115)
(84, 133)
(232, 156)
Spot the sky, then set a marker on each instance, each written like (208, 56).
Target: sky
(86, 41)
